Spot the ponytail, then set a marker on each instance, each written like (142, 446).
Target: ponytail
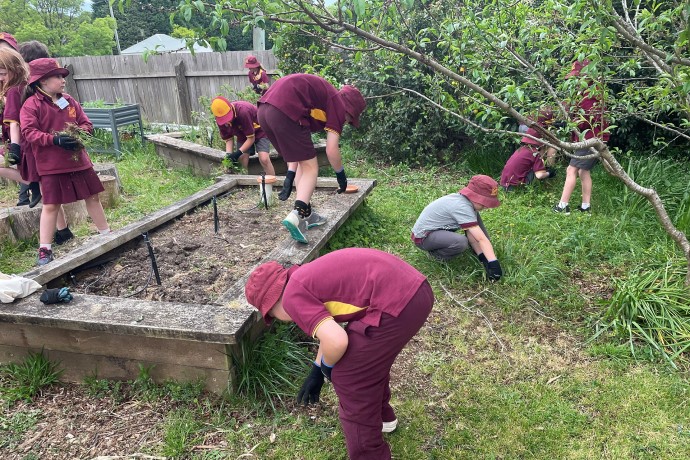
(29, 91)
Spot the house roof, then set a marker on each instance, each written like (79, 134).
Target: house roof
(163, 43)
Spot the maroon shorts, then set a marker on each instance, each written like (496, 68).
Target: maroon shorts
(290, 139)
(70, 187)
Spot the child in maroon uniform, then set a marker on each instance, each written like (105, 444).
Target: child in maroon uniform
(65, 169)
(526, 163)
(257, 75)
(293, 108)
(385, 302)
(13, 75)
(239, 119)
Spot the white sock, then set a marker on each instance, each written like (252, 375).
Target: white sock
(47, 246)
(562, 204)
(584, 205)
(104, 232)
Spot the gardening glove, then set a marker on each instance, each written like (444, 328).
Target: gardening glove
(234, 156)
(311, 388)
(559, 124)
(342, 180)
(552, 173)
(66, 142)
(485, 262)
(493, 270)
(14, 155)
(56, 295)
(326, 370)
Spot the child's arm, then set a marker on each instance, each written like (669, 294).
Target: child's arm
(30, 128)
(82, 120)
(333, 342)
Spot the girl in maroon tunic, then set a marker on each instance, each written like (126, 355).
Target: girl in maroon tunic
(257, 75)
(13, 74)
(66, 171)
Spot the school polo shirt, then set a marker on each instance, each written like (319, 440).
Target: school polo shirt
(347, 285)
(10, 114)
(244, 123)
(40, 119)
(450, 212)
(308, 100)
(520, 163)
(591, 109)
(260, 77)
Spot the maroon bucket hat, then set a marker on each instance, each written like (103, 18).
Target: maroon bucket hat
(528, 140)
(354, 103)
(483, 190)
(44, 68)
(577, 68)
(9, 39)
(265, 286)
(251, 62)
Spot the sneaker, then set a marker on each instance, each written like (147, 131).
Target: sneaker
(315, 220)
(565, 210)
(587, 211)
(389, 427)
(63, 236)
(44, 256)
(296, 226)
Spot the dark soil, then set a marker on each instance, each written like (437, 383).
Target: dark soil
(195, 264)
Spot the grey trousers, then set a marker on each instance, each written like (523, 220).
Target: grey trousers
(444, 244)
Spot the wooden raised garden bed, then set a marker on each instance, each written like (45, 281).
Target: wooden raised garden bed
(111, 330)
(205, 161)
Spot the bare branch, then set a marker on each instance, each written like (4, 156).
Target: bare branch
(659, 125)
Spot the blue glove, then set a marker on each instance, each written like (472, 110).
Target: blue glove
(326, 370)
(56, 295)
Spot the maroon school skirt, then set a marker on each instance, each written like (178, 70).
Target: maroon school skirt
(291, 140)
(70, 187)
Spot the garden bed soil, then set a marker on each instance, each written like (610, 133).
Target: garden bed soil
(195, 264)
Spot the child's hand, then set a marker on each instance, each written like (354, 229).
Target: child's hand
(66, 142)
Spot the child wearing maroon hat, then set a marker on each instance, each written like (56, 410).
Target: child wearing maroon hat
(384, 302)
(591, 123)
(257, 75)
(527, 163)
(66, 171)
(239, 119)
(294, 107)
(436, 229)
(7, 41)
(13, 75)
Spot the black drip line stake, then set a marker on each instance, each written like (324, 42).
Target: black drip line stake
(154, 265)
(263, 190)
(216, 223)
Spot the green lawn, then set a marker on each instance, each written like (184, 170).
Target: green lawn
(500, 371)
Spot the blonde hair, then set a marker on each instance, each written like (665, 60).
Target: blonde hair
(17, 69)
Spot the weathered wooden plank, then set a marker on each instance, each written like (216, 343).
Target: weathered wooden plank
(209, 355)
(76, 367)
(104, 243)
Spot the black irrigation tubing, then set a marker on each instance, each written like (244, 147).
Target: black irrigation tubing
(215, 216)
(152, 256)
(143, 288)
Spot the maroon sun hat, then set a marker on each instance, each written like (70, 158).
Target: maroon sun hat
(354, 103)
(9, 39)
(529, 140)
(483, 190)
(44, 68)
(251, 62)
(577, 68)
(265, 286)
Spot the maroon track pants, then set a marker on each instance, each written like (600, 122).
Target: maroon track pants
(361, 377)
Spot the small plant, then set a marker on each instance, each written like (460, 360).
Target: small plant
(270, 368)
(181, 433)
(13, 427)
(652, 307)
(27, 379)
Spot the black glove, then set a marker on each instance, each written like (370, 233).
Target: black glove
(56, 295)
(493, 270)
(311, 388)
(485, 262)
(342, 181)
(552, 173)
(326, 370)
(14, 154)
(559, 124)
(66, 142)
(234, 156)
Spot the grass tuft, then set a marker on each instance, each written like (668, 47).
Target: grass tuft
(26, 379)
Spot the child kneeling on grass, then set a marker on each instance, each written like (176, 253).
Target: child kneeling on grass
(66, 171)
(385, 302)
(436, 229)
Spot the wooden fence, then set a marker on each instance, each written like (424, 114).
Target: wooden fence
(167, 87)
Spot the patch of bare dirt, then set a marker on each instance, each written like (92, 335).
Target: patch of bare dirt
(195, 264)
